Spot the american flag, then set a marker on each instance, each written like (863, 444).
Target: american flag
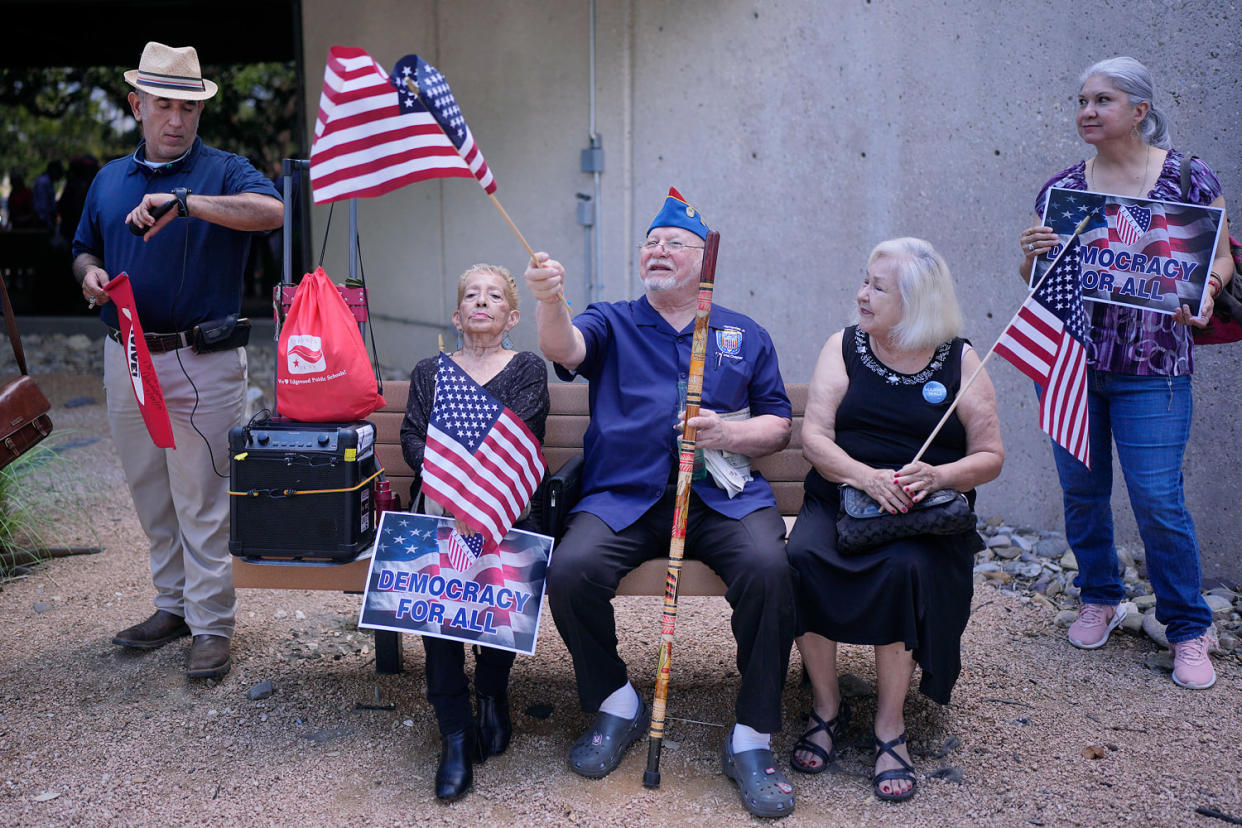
(481, 462)
(1132, 222)
(464, 549)
(375, 134)
(1047, 341)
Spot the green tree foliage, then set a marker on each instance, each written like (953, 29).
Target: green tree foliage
(48, 113)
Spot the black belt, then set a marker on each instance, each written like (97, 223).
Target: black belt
(158, 343)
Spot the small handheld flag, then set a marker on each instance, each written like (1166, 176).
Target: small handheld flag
(1047, 341)
(375, 133)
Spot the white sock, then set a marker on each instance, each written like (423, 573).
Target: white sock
(623, 702)
(747, 738)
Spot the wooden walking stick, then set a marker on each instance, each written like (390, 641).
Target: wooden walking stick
(677, 543)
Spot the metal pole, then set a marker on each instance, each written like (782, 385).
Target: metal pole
(353, 239)
(597, 289)
(286, 266)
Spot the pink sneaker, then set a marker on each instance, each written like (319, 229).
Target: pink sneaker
(1095, 622)
(1191, 666)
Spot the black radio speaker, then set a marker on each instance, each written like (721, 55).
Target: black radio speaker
(302, 490)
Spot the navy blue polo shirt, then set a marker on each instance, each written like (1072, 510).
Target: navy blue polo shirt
(633, 361)
(192, 271)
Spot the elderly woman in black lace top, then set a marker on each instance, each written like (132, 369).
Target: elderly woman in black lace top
(878, 390)
(487, 309)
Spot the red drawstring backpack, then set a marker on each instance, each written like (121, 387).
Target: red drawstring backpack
(322, 370)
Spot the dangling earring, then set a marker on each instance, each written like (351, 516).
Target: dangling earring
(460, 343)
(507, 342)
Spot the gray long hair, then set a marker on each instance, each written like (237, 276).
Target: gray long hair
(1132, 77)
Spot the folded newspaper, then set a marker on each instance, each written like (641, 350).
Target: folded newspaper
(730, 470)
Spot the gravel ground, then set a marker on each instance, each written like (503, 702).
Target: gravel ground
(1038, 732)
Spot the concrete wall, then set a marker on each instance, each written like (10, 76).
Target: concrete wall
(806, 131)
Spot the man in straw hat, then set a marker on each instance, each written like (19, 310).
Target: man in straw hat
(634, 354)
(186, 271)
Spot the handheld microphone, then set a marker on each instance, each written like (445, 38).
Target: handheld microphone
(139, 230)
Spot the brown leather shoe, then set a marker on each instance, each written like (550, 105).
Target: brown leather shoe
(161, 628)
(209, 656)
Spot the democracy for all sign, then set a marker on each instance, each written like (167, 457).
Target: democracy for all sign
(427, 579)
(1146, 253)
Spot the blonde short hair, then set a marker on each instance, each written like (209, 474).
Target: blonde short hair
(510, 289)
(930, 313)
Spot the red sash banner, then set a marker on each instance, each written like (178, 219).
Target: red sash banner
(142, 376)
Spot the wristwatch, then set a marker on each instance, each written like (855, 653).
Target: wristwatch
(183, 206)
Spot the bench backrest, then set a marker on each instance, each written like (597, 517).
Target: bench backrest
(567, 423)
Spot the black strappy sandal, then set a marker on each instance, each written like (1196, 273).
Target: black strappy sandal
(834, 727)
(905, 773)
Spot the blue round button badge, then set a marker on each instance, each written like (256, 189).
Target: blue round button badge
(934, 392)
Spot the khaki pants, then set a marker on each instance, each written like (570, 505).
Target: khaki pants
(181, 501)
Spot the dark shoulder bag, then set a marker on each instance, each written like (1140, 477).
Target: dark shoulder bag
(23, 408)
(1226, 324)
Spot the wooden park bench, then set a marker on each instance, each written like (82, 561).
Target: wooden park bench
(567, 423)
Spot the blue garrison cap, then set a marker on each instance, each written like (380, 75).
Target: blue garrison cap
(677, 213)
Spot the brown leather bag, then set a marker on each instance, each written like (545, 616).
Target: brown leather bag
(23, 408)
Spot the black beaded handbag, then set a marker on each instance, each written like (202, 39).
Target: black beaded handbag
(862, 524)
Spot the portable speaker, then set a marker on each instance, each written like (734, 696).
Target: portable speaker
(302, 490)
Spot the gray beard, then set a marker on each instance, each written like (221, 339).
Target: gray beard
(658, 283)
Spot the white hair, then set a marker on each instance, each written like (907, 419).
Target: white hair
(930, 313)
(1132, 77)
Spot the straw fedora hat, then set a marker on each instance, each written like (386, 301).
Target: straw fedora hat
(170, 73)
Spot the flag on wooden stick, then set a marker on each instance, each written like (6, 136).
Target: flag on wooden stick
(378, 132)
(1047, 341)
(481, 462)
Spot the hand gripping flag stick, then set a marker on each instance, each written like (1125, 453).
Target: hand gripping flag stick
(677, 543)
(1082, 225)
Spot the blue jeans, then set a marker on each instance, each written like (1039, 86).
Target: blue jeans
(1149, 420)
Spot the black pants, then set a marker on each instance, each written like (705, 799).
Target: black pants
(448, 689)
(748, 555)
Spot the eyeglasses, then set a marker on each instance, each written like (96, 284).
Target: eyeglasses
(669, 246)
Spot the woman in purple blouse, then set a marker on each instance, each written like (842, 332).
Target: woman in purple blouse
(1138, 381)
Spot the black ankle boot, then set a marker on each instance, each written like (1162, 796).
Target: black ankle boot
(494, 723)
(458, 753)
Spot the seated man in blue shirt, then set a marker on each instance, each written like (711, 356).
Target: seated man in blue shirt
(634, 354)
(186, 269)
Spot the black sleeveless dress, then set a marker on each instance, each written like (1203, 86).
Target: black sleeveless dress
(916, 590)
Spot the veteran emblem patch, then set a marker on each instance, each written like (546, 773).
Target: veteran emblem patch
(729, 342)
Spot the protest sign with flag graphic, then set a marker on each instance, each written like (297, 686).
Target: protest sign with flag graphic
(414, 585)
(1136, 252)
(1047, 341)
(481, 462)
(378, 132)
(142, 376)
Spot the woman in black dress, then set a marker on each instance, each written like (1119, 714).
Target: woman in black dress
(878, 390)
(487, 309)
